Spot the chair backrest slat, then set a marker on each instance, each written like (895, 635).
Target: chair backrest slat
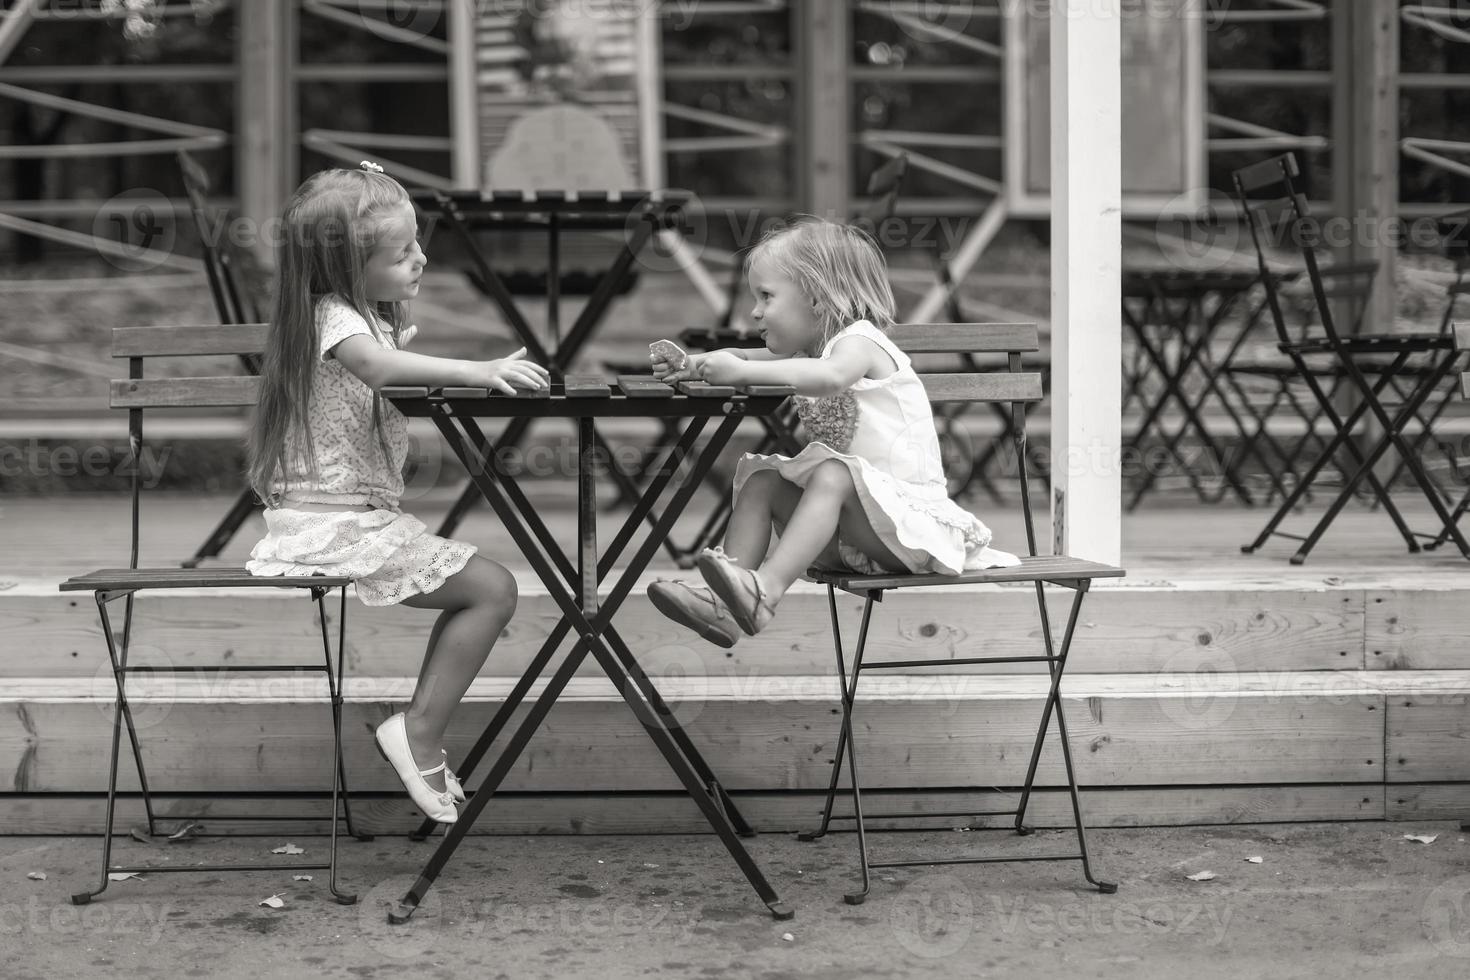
(1266, 173)
(966, 338)
(242, 338)
(999, 386)
(219, 392)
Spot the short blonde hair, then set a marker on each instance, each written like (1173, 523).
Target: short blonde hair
(837, 266)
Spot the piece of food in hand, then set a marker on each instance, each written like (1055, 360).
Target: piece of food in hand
(671, 352)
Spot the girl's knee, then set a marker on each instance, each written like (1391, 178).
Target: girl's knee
(762, 483)
(500, 589)
(830, 476)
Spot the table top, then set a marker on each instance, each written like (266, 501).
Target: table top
(593, 396)
(585, 207)
(1172, 280)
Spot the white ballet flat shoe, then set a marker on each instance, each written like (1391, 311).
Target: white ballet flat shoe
(392, 739)
(451, 781)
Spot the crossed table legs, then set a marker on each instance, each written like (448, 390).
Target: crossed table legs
(575, 590)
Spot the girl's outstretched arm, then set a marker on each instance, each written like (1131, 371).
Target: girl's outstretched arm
(851, 358)
(378, 367)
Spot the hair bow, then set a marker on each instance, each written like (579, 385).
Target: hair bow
(369, 165)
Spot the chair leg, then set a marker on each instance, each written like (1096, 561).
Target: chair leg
(127, 709)
(844, 691)
(846, 745)
(848, 706)
(339, 774)
(119, 699)
(1056, 666)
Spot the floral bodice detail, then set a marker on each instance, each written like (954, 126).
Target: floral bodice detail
(886, 421)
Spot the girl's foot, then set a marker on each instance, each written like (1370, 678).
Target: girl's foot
(696, 608)
(451, 781)
(392, 741)
(740, 589)
(427, 753)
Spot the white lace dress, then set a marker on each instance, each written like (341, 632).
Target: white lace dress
(882, 430)
(388, 554)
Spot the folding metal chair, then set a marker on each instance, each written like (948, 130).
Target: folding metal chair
(1018, 388)
(234, 301)
(1270, 199)
(137, 394)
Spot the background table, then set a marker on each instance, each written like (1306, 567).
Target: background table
(1176, 317)
(633, 215)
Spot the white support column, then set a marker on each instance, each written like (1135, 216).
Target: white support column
(265, 151)
(1086, 269)
(463, 98)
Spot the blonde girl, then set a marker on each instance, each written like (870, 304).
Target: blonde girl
(327, 451)
(868, 493)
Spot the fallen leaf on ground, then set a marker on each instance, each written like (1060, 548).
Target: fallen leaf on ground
(140, 835)
(1332, 580)
(301, 877)
(122, 875)
(37, 876)
(288, 848)
(1422, 838)
(1255, 860)
(787, 937)
(274, 902)
(1202, 876)
(188, 830)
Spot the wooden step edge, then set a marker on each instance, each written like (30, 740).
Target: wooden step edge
(286, 688)
(518, 813)
(20, 583)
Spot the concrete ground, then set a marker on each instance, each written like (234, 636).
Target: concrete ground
(1325, 900)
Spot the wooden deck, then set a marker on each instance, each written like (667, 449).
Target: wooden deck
(1207, 686)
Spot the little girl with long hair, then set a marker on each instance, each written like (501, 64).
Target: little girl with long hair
(868, 493)
(327, 451)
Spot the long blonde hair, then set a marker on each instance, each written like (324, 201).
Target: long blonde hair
(330, 227)
(837, 266)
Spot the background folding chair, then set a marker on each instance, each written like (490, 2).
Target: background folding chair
(1454, 231)
(1018, 388)
(234, 301)
(137, 394)
(1270, 199)
(1266, 385)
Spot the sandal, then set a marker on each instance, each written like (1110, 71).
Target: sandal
(695, 608)
(738, 588)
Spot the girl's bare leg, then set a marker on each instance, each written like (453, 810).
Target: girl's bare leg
(828, 502)
(478, 603)
(764, 499)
